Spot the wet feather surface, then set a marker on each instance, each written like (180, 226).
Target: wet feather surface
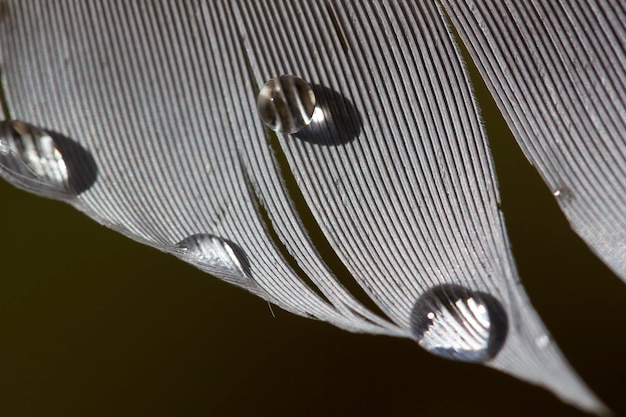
(395, 177)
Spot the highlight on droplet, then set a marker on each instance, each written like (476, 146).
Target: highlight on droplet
(286, 104)
(460, 324)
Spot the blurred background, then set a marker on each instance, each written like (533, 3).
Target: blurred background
(93, 324)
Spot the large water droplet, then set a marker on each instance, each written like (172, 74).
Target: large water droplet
(456, 323)
(286, 104)
(31, 159)
(216, 256)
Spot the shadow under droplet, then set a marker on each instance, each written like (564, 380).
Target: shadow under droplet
(446, 298)
(339, 122)
(81, 165)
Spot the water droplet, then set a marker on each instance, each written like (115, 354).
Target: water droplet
(563, 194)
(216, 256)
(542, 341)
(31, 159)
(286, 104)
(456, 323)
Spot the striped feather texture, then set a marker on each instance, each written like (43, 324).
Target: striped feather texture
(556, 70)
(352, 220)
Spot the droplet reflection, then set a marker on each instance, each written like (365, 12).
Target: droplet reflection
(456, 323)
(216, 256)
(286, 104)
(31, 159)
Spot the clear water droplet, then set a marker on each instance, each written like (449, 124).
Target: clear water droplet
(31, 159)
(286, 104)
(216, 256)
(563, 194)
(456, 323)
(542, 341)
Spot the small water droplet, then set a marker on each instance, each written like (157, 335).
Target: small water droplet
(563, 194)
(31, 159)
(286, 104)
(216, 256)
(456, 323)
(542, 341)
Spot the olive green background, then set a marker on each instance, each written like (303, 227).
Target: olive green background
(93, 324)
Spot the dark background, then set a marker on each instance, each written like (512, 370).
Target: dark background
(93, 324)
